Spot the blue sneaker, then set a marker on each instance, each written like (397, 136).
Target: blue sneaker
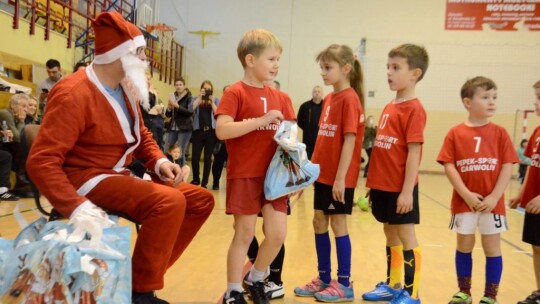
(382, 292)
(336, 292)
(404, 298)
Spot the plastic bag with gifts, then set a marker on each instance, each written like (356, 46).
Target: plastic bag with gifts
(56, 269)
(290, 170)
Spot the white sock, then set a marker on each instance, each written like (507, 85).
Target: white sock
(3, 190)
(231, 287)
(257, 275)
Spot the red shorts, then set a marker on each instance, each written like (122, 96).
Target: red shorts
(246, 196)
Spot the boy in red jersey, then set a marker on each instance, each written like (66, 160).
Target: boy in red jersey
(529, 198)
(247, 117)
(477, 156)
(393, 174)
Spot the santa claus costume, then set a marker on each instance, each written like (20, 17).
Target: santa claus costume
(90, 135)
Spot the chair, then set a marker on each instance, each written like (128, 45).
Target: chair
(28, 134)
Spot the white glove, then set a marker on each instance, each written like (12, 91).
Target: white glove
(89, 218)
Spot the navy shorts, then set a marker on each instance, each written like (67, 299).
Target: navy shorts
(325, 202)
(384, 205)
(531, 229)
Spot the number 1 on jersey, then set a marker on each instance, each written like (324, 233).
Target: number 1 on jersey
(264, 102)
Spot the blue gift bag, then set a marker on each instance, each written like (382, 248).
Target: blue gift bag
(43, 265)
(290, 170)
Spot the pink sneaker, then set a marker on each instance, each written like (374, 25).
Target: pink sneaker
(309, 290)
(336, 293)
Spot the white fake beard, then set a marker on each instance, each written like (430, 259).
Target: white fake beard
(135, 71)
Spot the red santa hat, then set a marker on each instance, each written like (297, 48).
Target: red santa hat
(115, 37)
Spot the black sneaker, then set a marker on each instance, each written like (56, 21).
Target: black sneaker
(8, 196)
(236, 297)
(146, 298)
(257, 292)
(534, 298)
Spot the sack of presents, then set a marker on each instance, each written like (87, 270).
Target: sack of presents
(290, 170)
(52, 262)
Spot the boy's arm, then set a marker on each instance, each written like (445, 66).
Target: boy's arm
(338, 190)
(490, 201)
(471, 199)
(227, 128)
(405, 200)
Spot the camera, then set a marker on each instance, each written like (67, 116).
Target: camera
(207, 94)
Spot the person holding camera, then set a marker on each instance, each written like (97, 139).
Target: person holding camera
(180, 112)
(204, 134)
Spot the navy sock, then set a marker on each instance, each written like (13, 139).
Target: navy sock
(464, 270)
(253, 250)
(494, 266)
(276, 267)
(322, 244)
(343, 247)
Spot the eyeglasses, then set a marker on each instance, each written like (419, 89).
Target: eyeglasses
(140, 50)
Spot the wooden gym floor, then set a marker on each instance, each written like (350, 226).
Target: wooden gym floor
(200, 274)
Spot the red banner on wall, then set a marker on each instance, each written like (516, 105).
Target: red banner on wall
(493, 15)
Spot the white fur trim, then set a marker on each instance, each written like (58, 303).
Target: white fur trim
(92, 183)
(129, 46)
(126, 129)
(156, 168)
(139, 41)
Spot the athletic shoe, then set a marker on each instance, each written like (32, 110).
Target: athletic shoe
(533, 298)
(336, 293)
(309, 290)
(382, 292)
(488, 300)
(461, 298)
(403, 297)
(8, 196)
(256, 291)
(236, 297)
(273, 290)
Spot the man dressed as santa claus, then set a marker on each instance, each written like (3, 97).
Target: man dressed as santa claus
(92, 132)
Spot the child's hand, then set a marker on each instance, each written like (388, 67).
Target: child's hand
(487, 204)
(533, 206)
(404, 203)
(273, 116)
(338, 191)
(473, 200)
(514, 202)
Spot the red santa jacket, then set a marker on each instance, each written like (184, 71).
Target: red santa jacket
(85, 138)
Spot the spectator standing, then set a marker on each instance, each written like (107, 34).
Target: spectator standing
(54, 73)
(524, 161)
(308, 119)
(369, 139)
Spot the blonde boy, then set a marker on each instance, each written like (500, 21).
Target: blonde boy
(247, 117)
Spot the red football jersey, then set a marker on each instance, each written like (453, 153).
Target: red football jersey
(478, 154)
(399, 124)
(250, 154)
(342, 113)
(532, 186)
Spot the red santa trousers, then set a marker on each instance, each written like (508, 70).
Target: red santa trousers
(170, 218)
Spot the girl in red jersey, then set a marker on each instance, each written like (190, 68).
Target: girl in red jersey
(529, 198)
(338, 149)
